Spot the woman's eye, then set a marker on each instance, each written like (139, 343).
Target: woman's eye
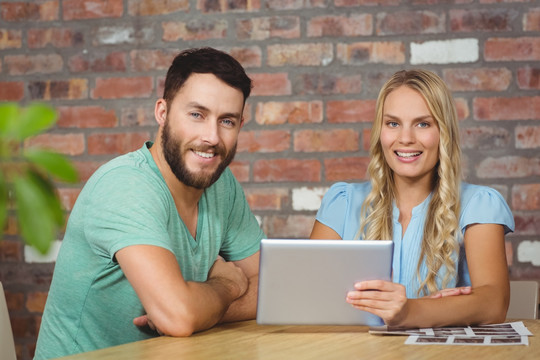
(423, 124)
(392, 124)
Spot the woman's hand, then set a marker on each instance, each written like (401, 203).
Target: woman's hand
(385, 299)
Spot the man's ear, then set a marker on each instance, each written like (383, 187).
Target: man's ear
(242, 122)
(160, 111)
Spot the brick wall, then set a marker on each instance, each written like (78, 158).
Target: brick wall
(317, 66)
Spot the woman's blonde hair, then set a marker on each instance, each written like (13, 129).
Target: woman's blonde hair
(440, 245)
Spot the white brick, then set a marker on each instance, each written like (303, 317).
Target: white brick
(31, 255)
(445, 52)
(529, 251)
(306, 198)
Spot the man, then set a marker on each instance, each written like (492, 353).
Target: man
(161, 240)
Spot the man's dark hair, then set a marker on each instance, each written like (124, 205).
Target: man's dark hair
(205, 61)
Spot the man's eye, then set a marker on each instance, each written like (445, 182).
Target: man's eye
(196, 115)
(228, 122)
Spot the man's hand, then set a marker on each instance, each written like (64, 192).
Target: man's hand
(229, 275)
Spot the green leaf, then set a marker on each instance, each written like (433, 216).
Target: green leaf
(38, 210)
(49, 191)
(8, 116)
(34, 119)
(3, 203)
(55, 164)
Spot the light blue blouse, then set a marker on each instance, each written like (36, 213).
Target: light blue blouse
(340, 210)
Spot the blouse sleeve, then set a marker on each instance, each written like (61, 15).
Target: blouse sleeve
(486, 206)
(333, 208)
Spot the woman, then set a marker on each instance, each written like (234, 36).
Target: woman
(416, 198)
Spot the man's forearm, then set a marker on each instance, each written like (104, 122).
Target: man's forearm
(245, 307)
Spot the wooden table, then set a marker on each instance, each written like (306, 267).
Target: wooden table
(247, 340)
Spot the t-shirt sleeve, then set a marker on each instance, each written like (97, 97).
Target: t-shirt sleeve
(244, 234)
(486, 206)
(125, 208)
(333, 207)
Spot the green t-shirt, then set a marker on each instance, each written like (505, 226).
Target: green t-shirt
(91, 305)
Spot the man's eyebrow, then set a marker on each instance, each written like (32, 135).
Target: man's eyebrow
(201, 107)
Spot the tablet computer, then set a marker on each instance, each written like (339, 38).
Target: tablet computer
(305, 282)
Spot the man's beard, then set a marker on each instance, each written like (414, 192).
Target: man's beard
(172, 149)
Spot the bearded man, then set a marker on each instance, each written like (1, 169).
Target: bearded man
(162, 240)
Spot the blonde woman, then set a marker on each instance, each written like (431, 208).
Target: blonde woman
(448, 235)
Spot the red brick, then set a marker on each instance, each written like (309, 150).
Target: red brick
(14, 300)
(292, 226)
(86, 117)
(484, 138)
(23, 326)
(326, 140)
(349, 3)
(249, 57)
(512, 49)
(284, 27)
(36, 64)
(115, 61)
(57, 37)
(479, 79)
(35, 301)
(353, 25)
(390, 52)
(295, 4)
(195, 29)
(92, 9)
(366, 139)
(297, 112)
(350, 111)
(320, 54)
(30, 11)
(527, 137)
(462, 107)
(137, 116)
(306, 170)
(11, 91)
(265, 141)
(10, 39)
(68, 89)
(508, 167)
(156, 7)
(267, 198)
(433, 2)
(410, 22)
(520, 108)
(115, 143)
(10, 251)
(85, 169)
(527, 223)
(148, 60)
(526, 197)
(118, 88)
(468, 20)
(11, 227)
(240, 170)
(273, 84)
(531, 20)
(327, 84)
(528, 78)
(238, 6)
(68, 144)
(346, 169)
(68, 196)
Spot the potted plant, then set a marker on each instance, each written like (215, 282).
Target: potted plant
(27, 174)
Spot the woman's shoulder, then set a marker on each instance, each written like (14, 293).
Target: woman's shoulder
(479, 193)
(345, 188)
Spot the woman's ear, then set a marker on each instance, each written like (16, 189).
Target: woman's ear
(160, 111)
